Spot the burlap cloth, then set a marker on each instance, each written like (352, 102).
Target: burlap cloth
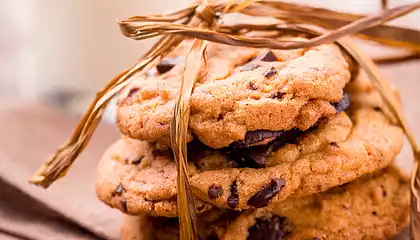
(29, 133)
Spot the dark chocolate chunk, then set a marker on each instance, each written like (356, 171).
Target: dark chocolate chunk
(270, 72)
(290, 136)
(220, 117)
(252, 137)
(378, 109)
(277, 95)
(137, 160)
(166, 64)
(215, 191)
(255, 156)
(250, 67)
(268, 57)
(269, 229)
(124, 205)
(261, 198)
(343, 104)
(374, 213)
(384, 193)
(118, 190)
(233, 198)
(252, 86)
(132, 91)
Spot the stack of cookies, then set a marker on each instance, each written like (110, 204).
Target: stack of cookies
(283, 144)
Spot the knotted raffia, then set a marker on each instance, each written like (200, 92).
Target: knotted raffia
(201, 21)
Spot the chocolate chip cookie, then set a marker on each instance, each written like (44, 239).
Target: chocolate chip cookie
(244, 90)
(336, 151)
(375, 206)
(293, 163)
(136, 179)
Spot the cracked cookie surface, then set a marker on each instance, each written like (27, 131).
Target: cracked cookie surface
(245, 89)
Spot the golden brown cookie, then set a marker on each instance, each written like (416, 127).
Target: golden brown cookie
(136, 179)
(334, 153)
(338, 150)
(245, 89)
(375, 206)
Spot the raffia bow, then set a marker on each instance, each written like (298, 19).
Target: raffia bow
(201, 21)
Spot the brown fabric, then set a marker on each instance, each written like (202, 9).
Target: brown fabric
(19, 211)
(69, 209)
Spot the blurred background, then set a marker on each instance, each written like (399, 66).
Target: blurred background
(62, 52)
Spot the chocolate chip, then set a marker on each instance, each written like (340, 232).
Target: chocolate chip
(268, 57)
(252, 137)
(274, 228)
(334, 145)
(317, 238)
(118, 190)
(215, 191)
(250, 67)
(249, 157)
(378, 109)
(220, 117)
(233, 199)
(374, 213)
(137, 160)
(124, 205)
(255, 156)
(343, 104)
(166, 64)
(252, 86)
(132, 91)
(277, 95)
(384, 193)
(270, 72)
(233, 164)
(261, 198)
